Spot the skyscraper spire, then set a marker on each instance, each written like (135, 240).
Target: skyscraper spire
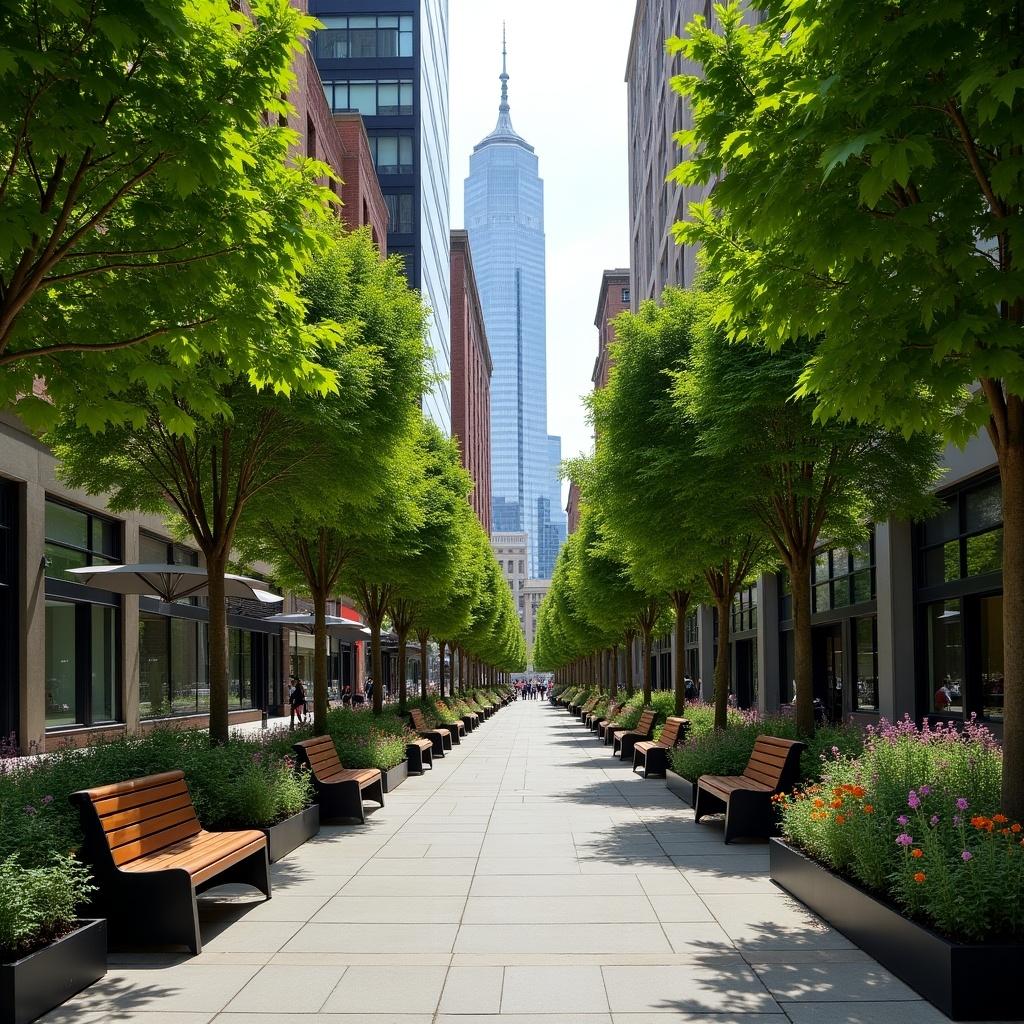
(504, 107)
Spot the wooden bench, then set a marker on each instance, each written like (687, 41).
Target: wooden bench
(440, 738)
(339, 791)
(466, 721)
(420, 755)
(608, 724)
(151, 856)
(652, 755)
(593, 716)
(623, 740)
(774, 767)
(587, 708)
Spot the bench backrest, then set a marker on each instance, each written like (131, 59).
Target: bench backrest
(418, 721)
(674, 731)
(321, 756)
(591, 704)
(613, 710)
(646, 723)
(775, 762)
(137, 818)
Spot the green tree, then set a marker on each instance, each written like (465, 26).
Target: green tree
(144, 199)
(802, 478)
(872, 200)
(381, 363)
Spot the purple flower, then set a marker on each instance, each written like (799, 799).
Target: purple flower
(913, 801)
(48, 799)
(30, 810)
(925, 790)
(903, 820)
(962, 804)
(934, 820)
(956, 820)
(966, 856)
(904, 840)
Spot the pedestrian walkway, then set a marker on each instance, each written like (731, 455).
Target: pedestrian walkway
(529, 879)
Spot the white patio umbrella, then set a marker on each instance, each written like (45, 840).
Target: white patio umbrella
(167, 582)
(341, 629)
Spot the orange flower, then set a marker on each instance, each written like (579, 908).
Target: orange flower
(1015, 828)
(837, 790)
(869, 809)
(1000, 819)
(836, 804)
(840, 819)
(919, 877)
(857, 791)
(917, 853)
(819, 802)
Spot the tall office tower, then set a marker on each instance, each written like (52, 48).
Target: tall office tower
(388, 60)
(504, 211)
(553, 528)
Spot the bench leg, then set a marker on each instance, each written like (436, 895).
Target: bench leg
(374, 792)
(706, 803)
(656, 763)
(152, 909)
(639, 760)
(437, 740)
(341, 800)
(748, 816)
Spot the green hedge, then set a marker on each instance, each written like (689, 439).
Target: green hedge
(727, 753)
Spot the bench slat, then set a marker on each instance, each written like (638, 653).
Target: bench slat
(121, 819)
(138, 797)
(153, 826)
(154, 843)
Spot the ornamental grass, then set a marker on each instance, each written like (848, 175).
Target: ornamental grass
(915, 819)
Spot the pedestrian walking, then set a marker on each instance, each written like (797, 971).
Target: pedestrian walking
(297, 702)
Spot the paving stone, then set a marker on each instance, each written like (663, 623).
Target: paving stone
(843, 983)
(281, 989)
(367, 990)
(687, 988)
(472, 990)
(553, 990)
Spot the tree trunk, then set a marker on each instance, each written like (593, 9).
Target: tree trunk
(440, 670)
(628, 655)
(722, 665)
(1011, 469)
(648, 654)
(319, 664)
(681, 600)
(402, 663)
(803, 655)
(424, 640)
(376, 665)
(218, 641)
(613, 683)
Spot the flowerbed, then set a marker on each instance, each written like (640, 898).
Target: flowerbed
(363, 739)
(915, 819)
(706, 752)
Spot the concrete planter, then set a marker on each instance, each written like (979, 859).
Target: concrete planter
(682, 788)
(291, 833)
(394, 777)
(966, 981)
(50, 976)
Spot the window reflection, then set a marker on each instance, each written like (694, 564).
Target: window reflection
(945, 657)
(991, 656)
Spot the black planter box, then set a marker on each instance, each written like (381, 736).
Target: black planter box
(286, 835)
(682, 788)
(965, 981)
(394, 777)
(41, 981)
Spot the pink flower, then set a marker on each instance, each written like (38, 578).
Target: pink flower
(913, 801)
(903, 820)
(956, 820)
(904, 840)
(962, 804)
(925, 790)
(48, 799)
(966, 856)
(934, 820)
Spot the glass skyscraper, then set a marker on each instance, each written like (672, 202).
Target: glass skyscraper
(388, 60)
(504, 211)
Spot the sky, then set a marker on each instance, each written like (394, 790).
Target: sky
(566, 62)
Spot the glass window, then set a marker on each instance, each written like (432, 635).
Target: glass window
(362, 96)
(61, 664)
(104, 662)
(945, 657)
(991, 656)
(154, 665)
(385, 35)
(942, 563)
(240, 668)
(400, 207)
(392, 154)
(76, 538)
(67, 525)
(625, 296)
(984, 552)
(983, 508)
(153, 550)
(865, 693)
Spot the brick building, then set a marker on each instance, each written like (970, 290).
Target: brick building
(471, 377)
(612, 300)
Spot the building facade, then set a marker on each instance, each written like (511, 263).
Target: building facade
(471, 378)
(572, 506)
(550, 518)
(511, 549)
(388, 61)
(613, 299)
(534, 592)
(504, 210)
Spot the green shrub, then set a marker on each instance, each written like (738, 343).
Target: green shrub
(39, 904)
(707, 752)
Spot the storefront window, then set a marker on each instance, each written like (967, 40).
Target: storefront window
(865, 694)
(82, 627)
(991, 656)
(61, 659)
(945, 657)
(240, 668)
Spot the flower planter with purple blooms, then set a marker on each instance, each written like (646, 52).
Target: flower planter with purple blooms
(913, 824)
